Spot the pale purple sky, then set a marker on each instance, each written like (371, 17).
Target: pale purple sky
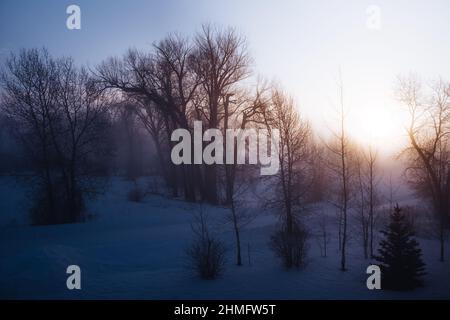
(302, 44)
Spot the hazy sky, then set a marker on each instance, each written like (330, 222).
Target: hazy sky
(302, 44)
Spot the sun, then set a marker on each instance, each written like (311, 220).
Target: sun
(376, 126)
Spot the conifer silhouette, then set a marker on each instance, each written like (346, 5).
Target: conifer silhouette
(400, 255)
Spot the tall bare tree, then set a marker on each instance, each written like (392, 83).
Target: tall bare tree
(30, 94)
(367, 195)
(294, 176)
(429, 151)
(340, 164)
(62, 120)
(371, 162)
(221, 61)
(163, 84)
(241, 111)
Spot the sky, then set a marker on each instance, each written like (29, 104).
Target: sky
(304, 45)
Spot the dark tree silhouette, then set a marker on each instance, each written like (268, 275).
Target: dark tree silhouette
(400, 255)
(61, 120)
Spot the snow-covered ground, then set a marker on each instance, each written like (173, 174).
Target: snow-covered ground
(137, 250)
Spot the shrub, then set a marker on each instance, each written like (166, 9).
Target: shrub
(291, 246)
(206, 253)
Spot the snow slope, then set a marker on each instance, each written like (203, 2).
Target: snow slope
(136, 251)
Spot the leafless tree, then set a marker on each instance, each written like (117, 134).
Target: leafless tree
(340, 163)
(62, 121)
(293, 179)
(429, 151)
(30, 94)
(81, 131)
(241, 112)
(320, 178)
(163, 84)
(370, 158)
(179, 82)
(367, 195)
(362, 205)
(220, 62)
(323, 238)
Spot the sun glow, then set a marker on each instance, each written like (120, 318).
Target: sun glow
(377, 126)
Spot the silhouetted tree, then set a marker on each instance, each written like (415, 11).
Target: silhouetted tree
(293, 178)
(61, 120)
(220, 62)
(400, 255)
(429, 151)
(340, 162)
(367, 195)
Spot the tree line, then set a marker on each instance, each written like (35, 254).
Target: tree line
(64, 116)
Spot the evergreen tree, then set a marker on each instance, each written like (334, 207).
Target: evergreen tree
(400, 255)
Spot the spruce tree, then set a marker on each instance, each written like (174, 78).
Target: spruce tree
(400, 255)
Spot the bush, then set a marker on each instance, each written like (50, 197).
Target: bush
(291, 247)
(206, 253)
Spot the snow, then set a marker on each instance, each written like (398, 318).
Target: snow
(137, 251)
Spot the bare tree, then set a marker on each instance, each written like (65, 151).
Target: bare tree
(320, 178)
(371, 161)
(323, 238)
(164, 85)
(429, 151)
(293, 178)
(240, 216)
(340, 159)
(243, 111)
(30, 94)
(367, 195)
(62, 121)
(220, 62)
(80, 133)
(362, 205)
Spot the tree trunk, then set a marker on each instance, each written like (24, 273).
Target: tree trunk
(237, 234)
(371, 205)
